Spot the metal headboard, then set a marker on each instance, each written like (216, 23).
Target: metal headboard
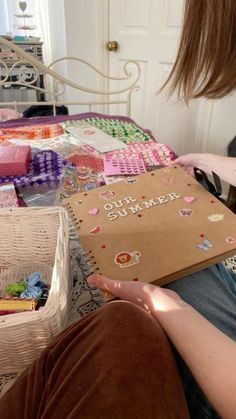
(32, 74)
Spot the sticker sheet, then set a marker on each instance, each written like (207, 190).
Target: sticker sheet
(151, 152)
(125, 166)
(96, 138)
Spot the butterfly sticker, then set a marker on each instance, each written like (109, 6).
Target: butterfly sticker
(80, 202)
(205, 245)
(230, 240)
(185, 212)
(168, 180)
(107, 194)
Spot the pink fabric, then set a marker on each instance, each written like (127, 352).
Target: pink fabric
(7, 114)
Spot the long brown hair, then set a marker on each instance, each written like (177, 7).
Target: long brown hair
(231, 199)
(206, 61)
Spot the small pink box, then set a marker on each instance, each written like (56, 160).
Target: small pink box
(14, 160)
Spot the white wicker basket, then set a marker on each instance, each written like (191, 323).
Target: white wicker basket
(33, 237)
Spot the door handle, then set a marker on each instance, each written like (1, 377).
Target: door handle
(112, 46)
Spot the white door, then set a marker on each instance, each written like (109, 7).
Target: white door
(148, 31)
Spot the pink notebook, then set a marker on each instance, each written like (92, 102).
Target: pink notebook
(14, 160)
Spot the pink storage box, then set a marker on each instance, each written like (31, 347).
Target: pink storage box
(14, 160)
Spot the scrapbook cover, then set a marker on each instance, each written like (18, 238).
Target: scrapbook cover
(156, 227)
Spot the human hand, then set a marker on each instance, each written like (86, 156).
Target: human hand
(224, 167)
(204, 161)
(152, 298)
(191, 160)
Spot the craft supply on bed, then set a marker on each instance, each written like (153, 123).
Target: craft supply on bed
(14, 160)
(96, 138)
(45, 168)
(65, 145)
(31, 132)
(123, 128)
(153, 153)
(85, 160)
(77, 179)
(124, 166)
(8, 196)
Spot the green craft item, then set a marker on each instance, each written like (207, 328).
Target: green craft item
(15, 288)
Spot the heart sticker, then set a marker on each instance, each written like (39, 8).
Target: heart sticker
(189, 199)
(93, 211)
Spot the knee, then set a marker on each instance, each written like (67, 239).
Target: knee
(129, 319)
(133, 331)
(118, 309)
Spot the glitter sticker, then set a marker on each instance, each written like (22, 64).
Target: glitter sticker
(215, 217)
(127, 259)
(107, 194)
(185, 212)
(96, 230)
(205, 245)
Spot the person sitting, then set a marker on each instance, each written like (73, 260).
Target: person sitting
(166, 352)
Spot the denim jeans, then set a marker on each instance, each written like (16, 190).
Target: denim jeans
(212, 292)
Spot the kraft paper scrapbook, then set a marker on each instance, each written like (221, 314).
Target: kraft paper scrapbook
(156, 227)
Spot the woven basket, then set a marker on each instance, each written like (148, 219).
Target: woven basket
(33, 238)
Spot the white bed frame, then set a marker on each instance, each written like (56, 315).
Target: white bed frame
(30, 71)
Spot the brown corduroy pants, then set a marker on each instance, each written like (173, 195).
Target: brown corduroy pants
(113, 364)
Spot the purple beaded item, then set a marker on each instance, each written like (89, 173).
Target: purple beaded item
(45, 168)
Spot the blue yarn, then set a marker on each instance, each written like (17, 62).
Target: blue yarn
(34, 286)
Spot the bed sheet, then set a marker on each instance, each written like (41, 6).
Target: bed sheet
(48, 137)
